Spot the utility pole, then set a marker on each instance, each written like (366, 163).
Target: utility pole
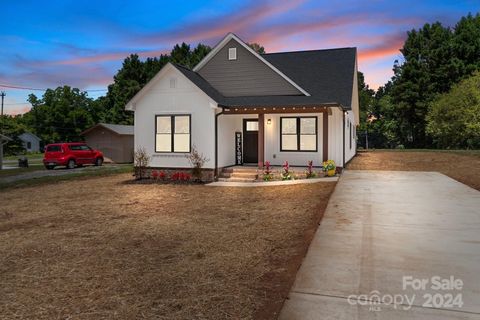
(3, 94)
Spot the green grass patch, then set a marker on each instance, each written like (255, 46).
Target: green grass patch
(103, 171)
(17, 171)
(30, 156)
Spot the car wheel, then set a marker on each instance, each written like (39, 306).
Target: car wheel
(98, 162)
(71, 164)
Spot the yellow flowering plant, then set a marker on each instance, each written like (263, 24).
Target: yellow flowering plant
(329, 165)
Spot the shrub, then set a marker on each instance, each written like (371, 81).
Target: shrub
(309, 173)
(329, 165)
(267, 172)
(197, 161)
(162, 175)
(141, 159)
(154, 174)
(400, 146)
(286, 173)
(180, 176)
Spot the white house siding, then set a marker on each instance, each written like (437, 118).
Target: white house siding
(272, 142)
(350, 122)
(184, 98)
(227, 126)
(335, 136)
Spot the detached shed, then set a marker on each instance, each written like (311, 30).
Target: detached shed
(31, 142)
(114, 140)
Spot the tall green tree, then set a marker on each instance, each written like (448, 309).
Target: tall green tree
(12, 128)
(454, 117)
(60, 115)
(434, 58)
(135, 74)
(257, 48)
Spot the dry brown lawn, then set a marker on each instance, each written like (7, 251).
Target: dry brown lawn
(101, 248)
(461, 166)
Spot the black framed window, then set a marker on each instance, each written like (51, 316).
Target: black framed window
(172, 133)
(298, 134)
(351, 136)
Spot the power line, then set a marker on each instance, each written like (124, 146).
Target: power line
(41, 89)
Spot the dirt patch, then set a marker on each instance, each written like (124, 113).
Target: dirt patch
(101, 248)
(463, 167)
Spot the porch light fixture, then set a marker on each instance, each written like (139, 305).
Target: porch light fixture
(269, 121)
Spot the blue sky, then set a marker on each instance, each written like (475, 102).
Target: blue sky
(83, 43)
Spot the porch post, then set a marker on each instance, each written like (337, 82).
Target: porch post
(325, 136)
(261, 140)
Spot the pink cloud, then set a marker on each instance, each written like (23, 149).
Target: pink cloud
(388, 45)
(241, 21)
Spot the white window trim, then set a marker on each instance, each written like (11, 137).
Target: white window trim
(232, 53)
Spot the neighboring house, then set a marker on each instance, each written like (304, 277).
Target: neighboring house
(240, 107)
(31, 143)
(113, 140)
(3, 140)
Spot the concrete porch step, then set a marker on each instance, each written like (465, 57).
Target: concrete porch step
(236, 179)
(240, 169)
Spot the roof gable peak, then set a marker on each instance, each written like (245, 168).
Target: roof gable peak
(232, 36)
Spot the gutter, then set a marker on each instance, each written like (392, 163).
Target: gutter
(343, 161)
(216, 143)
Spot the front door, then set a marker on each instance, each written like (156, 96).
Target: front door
(250, 140)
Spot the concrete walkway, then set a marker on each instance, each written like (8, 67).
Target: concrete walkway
(382, 226)
(270, 183)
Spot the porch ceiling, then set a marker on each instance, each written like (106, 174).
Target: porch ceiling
(289, 109)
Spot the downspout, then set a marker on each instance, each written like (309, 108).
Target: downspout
(216, 143)
(343, 162)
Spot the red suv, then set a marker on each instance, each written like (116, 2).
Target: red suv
(70, 155)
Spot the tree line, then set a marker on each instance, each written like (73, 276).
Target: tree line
(433, 99)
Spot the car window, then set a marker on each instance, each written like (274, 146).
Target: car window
(54, 149)
(74, 147)
(85, 148)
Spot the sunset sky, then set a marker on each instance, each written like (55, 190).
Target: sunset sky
(82, 43)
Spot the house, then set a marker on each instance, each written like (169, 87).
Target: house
(31, 143)
(113, 140)
(239, 107)
(3, 140)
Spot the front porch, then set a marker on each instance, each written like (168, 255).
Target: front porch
(253, 135)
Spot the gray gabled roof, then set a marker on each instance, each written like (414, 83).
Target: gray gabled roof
(327, 75)
(200, 82)
(117, 128)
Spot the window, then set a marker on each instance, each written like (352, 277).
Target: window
(29, 145)
(55, 148)
(350, 137)
(298, 134)
(173, 83)
(232, 53)
(74, 147)
(252, 125)
(172, 133)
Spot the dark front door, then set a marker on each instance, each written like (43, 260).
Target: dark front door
(250, 140)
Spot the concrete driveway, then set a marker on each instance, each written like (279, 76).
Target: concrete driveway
(393, 245)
